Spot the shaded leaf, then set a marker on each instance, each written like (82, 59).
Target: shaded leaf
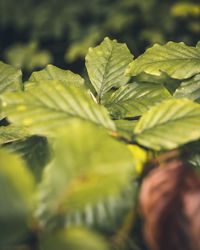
(12, 133)
(134, 99)
(107, 214)
(169, 125)
(35, 151)
(51, 72)
(125, 127)
(16, 197)
(51, 105)
(74, 239)
(106, 65)
(176, 59)
(189, 89)
(170, 84)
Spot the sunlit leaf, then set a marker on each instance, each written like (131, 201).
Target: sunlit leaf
(135, 99)
(106, 64)
(51, 105)
(51, 72)
(169, 125)
(176, 59)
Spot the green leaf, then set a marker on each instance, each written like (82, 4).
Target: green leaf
(125, 127)
(70, 184)
(51, 105)
(134, 99)
(170, 84)
(74, 239)
(176, 59)
(169, 125)
(35, 151)
(16, 198)
(12, 133)
(51, 72)
(107, 214)
(10, 78)
(189, 89)
(106, 65)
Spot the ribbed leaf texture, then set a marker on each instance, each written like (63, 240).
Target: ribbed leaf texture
(51, 72)
(71, 184)
(189, 89)
(135, 99)
(12, 133)
(51, 105)
(176, 59)
(106, 65)
(169, 125)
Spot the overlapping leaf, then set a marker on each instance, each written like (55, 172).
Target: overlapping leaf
(51, 105)
(176, 59)
(12, 133)
(35, 151)
(135, 99)
(106, 65)
(103, 168)
(51, 72)
(169, 125)
(169, 83)
(190, 89)
(125, 128)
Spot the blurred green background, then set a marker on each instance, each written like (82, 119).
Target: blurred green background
(34, 33)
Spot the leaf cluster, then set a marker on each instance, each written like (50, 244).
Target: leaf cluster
(73, 154)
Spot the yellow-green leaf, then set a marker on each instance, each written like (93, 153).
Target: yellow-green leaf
(169, 125)
(106, 65)
(176, 59)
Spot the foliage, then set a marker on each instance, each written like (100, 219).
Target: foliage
(68, 28)
(73, 155)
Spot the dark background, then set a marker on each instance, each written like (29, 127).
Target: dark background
(64, 29)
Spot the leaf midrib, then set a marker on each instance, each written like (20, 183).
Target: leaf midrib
(104, 75)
